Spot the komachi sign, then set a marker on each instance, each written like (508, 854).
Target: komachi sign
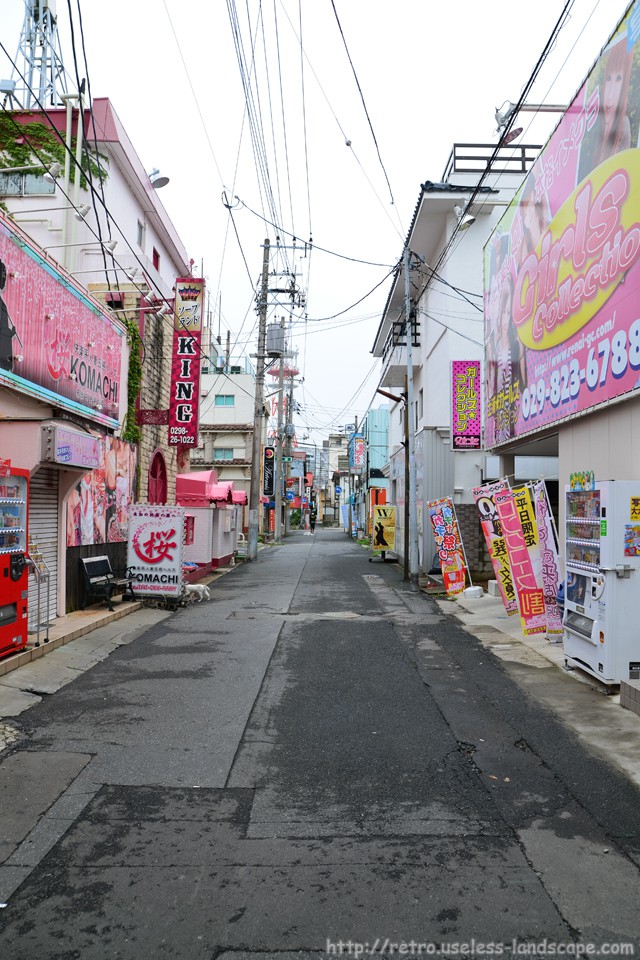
(156, 536)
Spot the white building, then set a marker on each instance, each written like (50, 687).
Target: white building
(447, 321)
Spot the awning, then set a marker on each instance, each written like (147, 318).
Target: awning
(239, 497)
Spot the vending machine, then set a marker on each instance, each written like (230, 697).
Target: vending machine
(602, 558)
(14, 562)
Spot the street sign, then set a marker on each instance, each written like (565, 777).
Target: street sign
(290, 495)
(338, 489)
(287, 459)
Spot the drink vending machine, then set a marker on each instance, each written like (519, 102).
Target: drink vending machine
(14, 561)
(602, 558)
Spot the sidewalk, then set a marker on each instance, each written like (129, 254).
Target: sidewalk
(596, 713)
(70, 627)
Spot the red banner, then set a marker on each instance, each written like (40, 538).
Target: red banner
(185, 366)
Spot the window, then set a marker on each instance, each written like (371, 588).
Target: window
(156, 259)
(25, 185)
(225, 400)
(223, 453)
(421, 404)
(140, 237)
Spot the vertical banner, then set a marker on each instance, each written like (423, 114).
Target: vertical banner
(549, 558)
(185, 364)
(529, 594)
(492, 530)
(466, 423)
(447, 536)
(268, 471)
(357, 452)
(384, 528)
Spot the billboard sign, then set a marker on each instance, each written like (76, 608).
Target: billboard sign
(185, 365)
(466, 421)
(57, 344)
(562, 268)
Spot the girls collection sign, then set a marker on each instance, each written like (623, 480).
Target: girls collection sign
(562, 269)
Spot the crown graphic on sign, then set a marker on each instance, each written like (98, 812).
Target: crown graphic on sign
(189, 293)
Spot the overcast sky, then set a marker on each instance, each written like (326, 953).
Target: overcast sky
(329, 149)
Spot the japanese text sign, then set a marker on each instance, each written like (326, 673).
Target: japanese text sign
(529, 594)
(155, 549)
(185, 365)
(447, 537)
(466, 426)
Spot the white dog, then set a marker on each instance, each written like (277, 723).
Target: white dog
(197, 591)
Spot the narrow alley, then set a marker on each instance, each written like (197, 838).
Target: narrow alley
(317, 761)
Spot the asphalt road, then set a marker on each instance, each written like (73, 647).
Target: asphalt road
(317, 760)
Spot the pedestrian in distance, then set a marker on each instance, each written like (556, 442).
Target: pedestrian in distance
(312, 518)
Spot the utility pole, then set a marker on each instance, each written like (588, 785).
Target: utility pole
(258, 411)
(410, 450)
(278, 479)
(288, 448)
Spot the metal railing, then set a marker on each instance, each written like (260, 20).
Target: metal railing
(476, 157)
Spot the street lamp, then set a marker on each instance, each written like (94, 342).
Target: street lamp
(110, 245)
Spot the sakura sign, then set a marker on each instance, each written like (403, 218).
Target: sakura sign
(154, 556)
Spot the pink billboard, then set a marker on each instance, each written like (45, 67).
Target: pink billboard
(466, 422)
(56, 343)
(562, 269)
(185, 365)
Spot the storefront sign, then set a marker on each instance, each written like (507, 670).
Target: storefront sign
(56, 343)
(466, 426)
(528, 592)
(269, 471)
(185, 366)
(155, 549)
(562, 269)
(70, 447)
(447, 537)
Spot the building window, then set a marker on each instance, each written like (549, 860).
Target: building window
(421, 404)
(223, 453)
(156, 259)
(157, 480)
(225, 400)
(140, 237)
(25, 185)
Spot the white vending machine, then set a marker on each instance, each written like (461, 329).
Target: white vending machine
(602, 558)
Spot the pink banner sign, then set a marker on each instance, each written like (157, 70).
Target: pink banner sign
(466, 391)
(185, 366)
(529, 594)
(447, 537)
(56, 343)
(549, 557)
(494, 538)
(562, 269)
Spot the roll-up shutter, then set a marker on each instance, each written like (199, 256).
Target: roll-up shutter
(43, 532)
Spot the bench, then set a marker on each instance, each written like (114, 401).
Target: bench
(100, 582)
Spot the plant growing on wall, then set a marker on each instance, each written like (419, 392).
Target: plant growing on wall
(131, 430)
(25, 144)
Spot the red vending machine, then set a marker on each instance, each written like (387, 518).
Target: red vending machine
(14, 571)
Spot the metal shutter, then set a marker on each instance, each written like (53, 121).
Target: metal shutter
(43, 531)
